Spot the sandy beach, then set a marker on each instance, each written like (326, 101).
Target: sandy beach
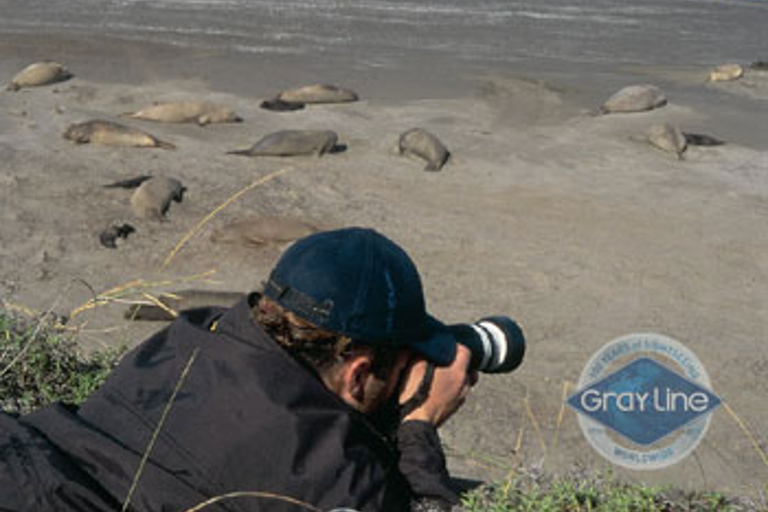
(565, 221)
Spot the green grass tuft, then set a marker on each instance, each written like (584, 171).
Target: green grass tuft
(595, 493)
(39, 365)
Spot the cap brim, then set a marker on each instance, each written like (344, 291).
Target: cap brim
(439, 345)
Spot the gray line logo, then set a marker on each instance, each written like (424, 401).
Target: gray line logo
(644, 401)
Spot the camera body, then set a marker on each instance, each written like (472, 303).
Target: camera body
(497, 343)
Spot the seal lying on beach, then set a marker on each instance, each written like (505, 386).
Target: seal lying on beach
(39, 73)
(634, 98)
(292, 143)
(421, 143)
(199, 112)
(257, 230)
(318, 93)
(667, 138)
(726, 73)
(277, 105)
(759, 65)
(174, 302)
(112, 134)
(109, 236)
(153, 197)
(129, 183)
(699, 139)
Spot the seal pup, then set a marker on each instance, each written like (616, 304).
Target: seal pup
(292, 143)
(699, 139)
(259, 230)
(668, 138)
(173, 302)
(634, 98)
(153, 197)
(129, 183)
(112, 134)
(726, 73)
(277, 105)
(421, 143)
(39, 73)
(109, 236)
(200, 112)
(318, 93)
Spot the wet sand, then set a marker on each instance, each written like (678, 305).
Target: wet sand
(559, 219)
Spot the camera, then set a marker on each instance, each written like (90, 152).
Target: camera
(497, 343)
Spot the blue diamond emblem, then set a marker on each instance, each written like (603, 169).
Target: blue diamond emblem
(644, 401)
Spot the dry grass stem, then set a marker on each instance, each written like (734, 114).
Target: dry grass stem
(748, 433)
(216, 211)
(159, 427)
(252, 494)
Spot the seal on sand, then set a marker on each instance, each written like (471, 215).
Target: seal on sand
(292, 143)
(174, 302)
(318, 93)
(199, 112)
(667, 138)
(699, 139)
(726, 73)
(277, 105)
(129, 183)
(424, 145)
(39, 73)
(634, 98)
(109, 236)
(112, 134)
(153, 197)
(257, 230)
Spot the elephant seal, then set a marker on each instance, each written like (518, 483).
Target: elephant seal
(39, 73)
(174, 302)
(257, 231)
(277, 105)
(421, 143)
(109, 236)
(112, 134)
(129, 183)
(153, 197)
(699, 139)
(634, 98)
(726, 73)
(292, 143)
(667, 138)
(199, 112)
(318, 93)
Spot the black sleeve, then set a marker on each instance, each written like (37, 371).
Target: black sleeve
(422, 463)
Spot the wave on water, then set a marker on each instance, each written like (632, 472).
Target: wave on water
(478, 30)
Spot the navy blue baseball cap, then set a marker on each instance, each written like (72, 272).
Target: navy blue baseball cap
(358, 283)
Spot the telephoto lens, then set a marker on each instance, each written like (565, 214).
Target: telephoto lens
(496, 342)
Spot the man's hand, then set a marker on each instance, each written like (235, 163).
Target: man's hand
(450, 387)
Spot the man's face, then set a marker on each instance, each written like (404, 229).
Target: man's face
(378, 391)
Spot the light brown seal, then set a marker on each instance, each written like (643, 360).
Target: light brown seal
(174, 302)
(112, 134)
(726, 73)
(260, 230)
(668, 138)
(421, 143)
(153, 197)
(634, 98)
(39, 73)
(292, 143)
(318, 93)
(200, 112)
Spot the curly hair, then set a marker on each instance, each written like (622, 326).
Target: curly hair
(319, 348)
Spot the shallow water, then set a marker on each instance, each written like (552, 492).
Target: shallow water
(459, 33)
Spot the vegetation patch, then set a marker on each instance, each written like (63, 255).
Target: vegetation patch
(596, 493)
(40, 365)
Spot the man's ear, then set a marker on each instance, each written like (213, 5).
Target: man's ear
(354, 378)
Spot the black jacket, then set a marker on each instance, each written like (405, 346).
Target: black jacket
(248, 417)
